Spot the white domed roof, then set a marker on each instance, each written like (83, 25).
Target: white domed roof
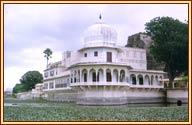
(99, 34)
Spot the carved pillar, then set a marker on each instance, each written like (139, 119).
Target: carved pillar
(80, 72)
(104, 75)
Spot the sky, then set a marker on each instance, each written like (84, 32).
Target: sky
(31, 28)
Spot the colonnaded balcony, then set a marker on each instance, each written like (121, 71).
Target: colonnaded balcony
(108, 77)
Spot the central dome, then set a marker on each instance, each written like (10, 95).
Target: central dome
(100, 34)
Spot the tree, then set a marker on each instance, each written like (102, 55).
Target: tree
(170, 38)
(18, 88)
(48, 52)
(30, 78)
(28, 81)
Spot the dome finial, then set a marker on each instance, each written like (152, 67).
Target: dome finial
(100, 17)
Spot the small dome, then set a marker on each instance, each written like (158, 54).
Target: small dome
(100, 34)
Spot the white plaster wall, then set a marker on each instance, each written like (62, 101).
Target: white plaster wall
(103, 93)
(177, 93)
(123, 93)
(102, 57)
(134, 57)
(144, 93)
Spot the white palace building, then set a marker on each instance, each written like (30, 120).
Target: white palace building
(103, 73)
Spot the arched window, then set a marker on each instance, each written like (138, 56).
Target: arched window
(152, 79)
(100, 75)
(92, 75)
(115, 75)
(78, 76)
(71, 78)
(75, 76)
(160, 78)
(140, 77)
(133, 79)
(122, 76)
(108, 75)
(84, 75)
(147, 80)
(156, 80)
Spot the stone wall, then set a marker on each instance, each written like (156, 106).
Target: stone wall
(30, 95)
(119, 97)
(175, 95)
(24, 96)
(61, 96)
(131, 96)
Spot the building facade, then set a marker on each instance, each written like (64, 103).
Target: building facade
(103, 73)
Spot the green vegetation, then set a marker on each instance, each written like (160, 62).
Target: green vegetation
(28, 81)
(18, 88)
(52, 111)
(170, 41)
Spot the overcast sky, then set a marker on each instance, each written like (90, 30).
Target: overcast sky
(31, 28)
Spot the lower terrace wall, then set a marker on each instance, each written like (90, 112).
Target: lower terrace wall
(120, 97)
(175, 95)
(131, 96)
(29, 95)
(61, 96)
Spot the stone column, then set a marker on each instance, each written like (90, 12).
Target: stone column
(137, 81)
(173, 84)
(96, 72)
(149, 80)
(112, 75)
(70, 78)
(104, 75)
(118, 75)
(80, 75)
(53, 84)
(48, 85)
(88, 80)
